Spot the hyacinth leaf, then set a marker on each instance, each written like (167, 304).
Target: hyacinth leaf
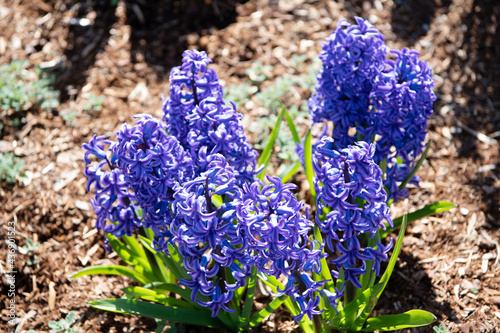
(308, 164)
(258, 317)
(325, 271)
(417, 166)
(265, 157)
(136, 248)
(434, 208)
(156, 296)
(374, 297)
(176, 289)
(247, 306)
(292, 127)
(367, 280)
(112, 270)
(139, 264)
(163, 261)
(289, 172)
(354, 307)
(177, 260)
(412, 318)
(140, 308)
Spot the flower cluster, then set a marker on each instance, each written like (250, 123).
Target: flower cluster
(145, 168)
(196, 114)
(352, 57)
(191, 180)
(387, 102)
(351, 202)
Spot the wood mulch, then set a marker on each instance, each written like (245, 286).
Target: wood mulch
(449, 263)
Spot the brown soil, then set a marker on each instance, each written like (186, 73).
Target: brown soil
(449, 263)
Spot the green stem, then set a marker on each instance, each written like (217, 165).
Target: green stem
(349, 296)
(247, 306)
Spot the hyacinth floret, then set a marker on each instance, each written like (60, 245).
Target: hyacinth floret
(351, 201)
(197, 115)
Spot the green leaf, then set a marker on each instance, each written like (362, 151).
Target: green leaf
(412, 318)
(167, 267)
(308, 164)
(140, 308)
(156, 296)
(136, 248)
(141, 265)
(247, 306)
(178, 261)
(112, 270)
(292, 127)
(415, 169)
(173, 288)
(289, 172)
(434, 208)
(265, 157)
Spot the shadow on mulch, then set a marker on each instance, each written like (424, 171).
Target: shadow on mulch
(159, 29)
(478, 61)
(484, 183)
(411, 20)
(410, 287)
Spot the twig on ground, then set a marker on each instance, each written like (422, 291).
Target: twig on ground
(480, 136)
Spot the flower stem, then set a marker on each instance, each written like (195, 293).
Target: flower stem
(247, 306)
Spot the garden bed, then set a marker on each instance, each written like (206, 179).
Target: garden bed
(449, 262)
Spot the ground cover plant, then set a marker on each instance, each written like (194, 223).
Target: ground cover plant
(447, 264)
(193, 185)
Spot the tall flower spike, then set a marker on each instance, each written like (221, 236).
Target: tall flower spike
(112, 199)
(352, 56)
(153, 164)
(402, 104)
(351, 201)
(207, 236)
(197, 115)
(275, 230)
(387, 102)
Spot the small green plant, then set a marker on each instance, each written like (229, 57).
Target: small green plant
(20, 89)
(240, 93)
(10, 167)
(29, 248)
(69, 118)
(94, 103)
(63, 325)
(259, 72)
(440, 329)
(272, 96)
